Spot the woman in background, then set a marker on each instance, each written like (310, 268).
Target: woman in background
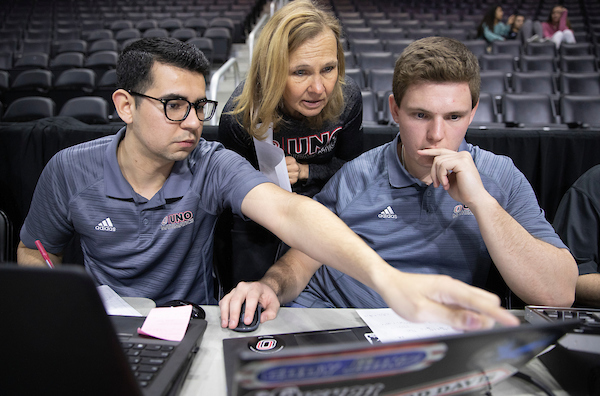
(296, 91)
(558, 28)
(492, 28)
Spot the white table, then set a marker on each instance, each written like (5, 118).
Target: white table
(207, 374)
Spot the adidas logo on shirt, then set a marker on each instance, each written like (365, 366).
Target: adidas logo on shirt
(106, 225)
(387, 213)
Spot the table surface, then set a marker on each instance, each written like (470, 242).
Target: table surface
(207, 374)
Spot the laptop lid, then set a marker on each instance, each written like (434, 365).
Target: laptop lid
(444, 365)
(58, 338)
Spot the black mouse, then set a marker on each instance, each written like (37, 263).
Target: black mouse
(197, 311)
(242, 327)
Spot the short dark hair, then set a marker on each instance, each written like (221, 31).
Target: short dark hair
(137, 59)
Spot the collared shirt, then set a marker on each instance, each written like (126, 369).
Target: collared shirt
(159, 248)
(416, 227)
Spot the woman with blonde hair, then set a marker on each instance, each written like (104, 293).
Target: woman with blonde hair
(296, 91)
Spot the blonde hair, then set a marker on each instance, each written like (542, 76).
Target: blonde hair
(260, 102)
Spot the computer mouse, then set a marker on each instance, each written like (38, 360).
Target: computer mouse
(242, 327)
(197, 311)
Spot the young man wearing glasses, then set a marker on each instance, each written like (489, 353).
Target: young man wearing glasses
(145, 202)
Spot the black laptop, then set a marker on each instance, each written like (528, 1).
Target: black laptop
(57, 339)
(348, 361)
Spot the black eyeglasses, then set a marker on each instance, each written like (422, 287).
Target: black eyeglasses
(178, 109)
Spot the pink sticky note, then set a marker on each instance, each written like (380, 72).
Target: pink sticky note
(167, 323)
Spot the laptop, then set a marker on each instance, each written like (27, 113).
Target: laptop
(58, 339)
(351, 361)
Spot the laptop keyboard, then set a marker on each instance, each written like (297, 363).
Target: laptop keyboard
(588, 317)
(146, 360)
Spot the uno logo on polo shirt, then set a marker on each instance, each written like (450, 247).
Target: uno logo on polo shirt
(177, 220)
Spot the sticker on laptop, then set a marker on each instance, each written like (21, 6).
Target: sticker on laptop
(266, 344)
(321, 368)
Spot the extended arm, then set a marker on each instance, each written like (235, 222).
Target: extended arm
(536, 271)
(310, 227)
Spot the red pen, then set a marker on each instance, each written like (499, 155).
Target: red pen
(44, 253)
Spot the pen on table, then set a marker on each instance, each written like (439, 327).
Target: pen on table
(44, 253)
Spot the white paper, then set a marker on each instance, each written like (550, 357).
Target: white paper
(114, 304)
(271, 161)
(389, 326)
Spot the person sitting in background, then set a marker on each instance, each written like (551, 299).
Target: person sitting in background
(297, 93)
(558, 28)
(577, 221)
(427, 202)
(515, 27)
(492, 28)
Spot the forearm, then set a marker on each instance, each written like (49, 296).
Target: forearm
(32, 257)
(536, 271)
(290, 275)
(588, 290)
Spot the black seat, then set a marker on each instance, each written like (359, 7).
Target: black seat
(101, 61)
(36, 82)
(393, 33)
(66, 60)
(205, 45)
(88, 109)
(156, 32)
(30, 61)
(105, 88)
(184, 34)
(121, 24)
(366, 45)
(543, 48)
(7, 253)
(512, 47)
(575, 49)
(375, 60)
(396, 46)
(370, 111)
(228, 24)
(221, 41)
(494, 82)
(73, 83)
(580, 83)
(477, 46)
(534, 82)
(379, 81)
(501, 62)
(420, 33)
(580, 111)
(359, 33)
(99, 34)
(170, 24)
(29, 108)
(198, 24)
(528, 110)
(458, 34)
(529, 63)
(358, 76)
(145, 24)
(72, 46)
(103, 45)
(127, 34)
(486, 115)
(42, 46)
(578, 63)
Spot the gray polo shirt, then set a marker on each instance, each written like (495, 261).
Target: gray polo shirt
(159, 248)
(415, 227)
